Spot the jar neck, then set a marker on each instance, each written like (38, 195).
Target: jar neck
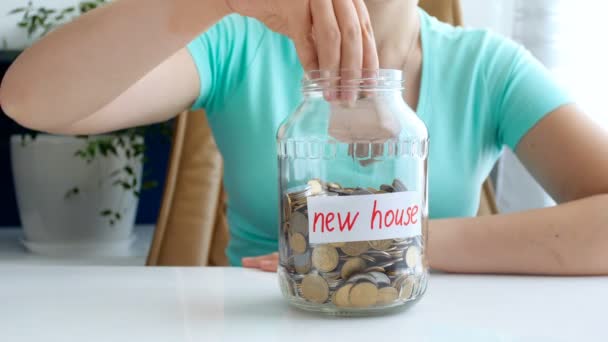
(381, 82)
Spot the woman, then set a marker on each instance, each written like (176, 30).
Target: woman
(126, 65)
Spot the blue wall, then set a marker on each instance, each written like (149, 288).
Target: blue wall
(158, 148)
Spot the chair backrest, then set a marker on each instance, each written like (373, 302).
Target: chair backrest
(192, 227)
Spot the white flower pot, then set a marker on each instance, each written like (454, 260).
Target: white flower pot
(57, 224)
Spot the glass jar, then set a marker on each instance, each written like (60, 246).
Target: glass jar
(353, 187)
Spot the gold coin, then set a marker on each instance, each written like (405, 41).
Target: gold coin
(325, 258)
(407, 288)
(315, 186)
(381, 245)
(337, 244)
(298, 223)
(413, 258)
(333, 186)
(352, 266)
(297, 242)
(315, 288)
(387, 295)
(341, 296)
(287, 207)
(363, 295)
(355, 248)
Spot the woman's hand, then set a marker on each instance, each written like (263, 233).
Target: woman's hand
(268, 263)
(328, 34)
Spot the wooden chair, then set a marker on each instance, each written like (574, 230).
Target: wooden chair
(192, 229)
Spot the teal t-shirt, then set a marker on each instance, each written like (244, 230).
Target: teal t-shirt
(479, 91)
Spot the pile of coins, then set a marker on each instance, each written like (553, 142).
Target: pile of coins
(358, 274)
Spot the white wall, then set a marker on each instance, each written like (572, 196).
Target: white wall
(494, 14)
(15, 38)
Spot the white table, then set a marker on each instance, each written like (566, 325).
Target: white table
(12, 252)
(131, 304)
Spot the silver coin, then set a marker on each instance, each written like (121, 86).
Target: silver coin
(331, 275)
(381, 279)
(298, 223)
(413, 257)
(376, 253)
(342, 192)
(335, 283)
(361, 191)
(387, 188)
(399, 186)
(368, 258)
(302, 263)
(389, 263)
(362, 277)
(299, 192)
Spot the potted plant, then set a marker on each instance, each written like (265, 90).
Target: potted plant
(76, 195)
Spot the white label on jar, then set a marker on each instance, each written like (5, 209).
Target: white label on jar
(365, 217)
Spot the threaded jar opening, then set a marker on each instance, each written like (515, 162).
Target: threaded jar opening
(353, 80)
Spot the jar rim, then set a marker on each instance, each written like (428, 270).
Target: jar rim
(351, 79)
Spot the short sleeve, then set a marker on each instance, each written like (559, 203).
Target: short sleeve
(521, 90)
(222, 55)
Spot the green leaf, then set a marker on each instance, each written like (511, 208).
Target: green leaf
(149, 185)
(117, 216)
(113, 150)
(115, 173)
(32, 28)
(23, 24)
(72, 192)
(38, 20)
(129, 170)
(136, 193)
(106, 212)
(68, 10)
(17, 10)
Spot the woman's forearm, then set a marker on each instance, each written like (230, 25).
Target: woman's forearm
(82, 66)
(569, 239)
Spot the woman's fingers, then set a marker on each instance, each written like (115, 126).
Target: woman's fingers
(326, 33)
(370, 52)
(351, 57)
(268, 262)
(303, 39)
(351, 53)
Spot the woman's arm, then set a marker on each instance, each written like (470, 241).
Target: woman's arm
(83, 66)
(568, 154)
(121, 65)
